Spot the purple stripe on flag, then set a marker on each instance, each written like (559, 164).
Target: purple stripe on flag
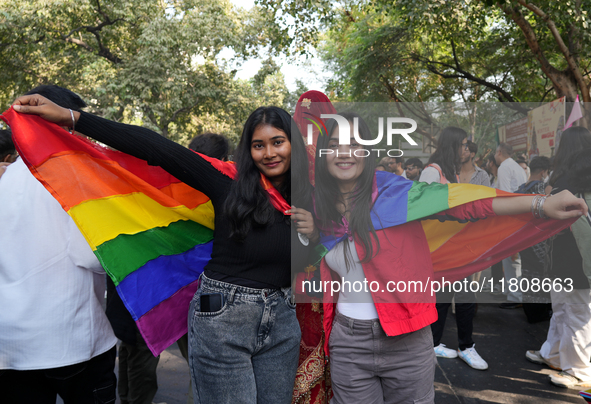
(167, 322)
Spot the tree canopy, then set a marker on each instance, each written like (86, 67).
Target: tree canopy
(152, 62)
(450, 51)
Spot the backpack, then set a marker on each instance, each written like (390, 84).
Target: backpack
(526, 188)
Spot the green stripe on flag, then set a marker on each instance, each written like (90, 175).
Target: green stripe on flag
(128, 252)
(426, 199)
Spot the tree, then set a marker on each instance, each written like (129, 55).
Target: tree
(150, 62)
(517, 50)
(549, 37)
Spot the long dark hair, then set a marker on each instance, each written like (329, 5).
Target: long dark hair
(327, 193)
(573, 140)
(248, 204)
(580, 171)
(447, 156)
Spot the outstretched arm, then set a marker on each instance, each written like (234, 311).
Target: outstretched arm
(563, 205)
(140, 142)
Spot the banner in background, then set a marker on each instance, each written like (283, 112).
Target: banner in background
(515, 133)
(544, 128)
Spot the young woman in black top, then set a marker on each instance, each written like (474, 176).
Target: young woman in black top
(245, 348)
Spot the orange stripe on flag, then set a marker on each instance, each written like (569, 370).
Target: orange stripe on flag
(89, 178)
(474, 240)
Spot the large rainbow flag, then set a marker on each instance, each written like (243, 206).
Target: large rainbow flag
(152, 233)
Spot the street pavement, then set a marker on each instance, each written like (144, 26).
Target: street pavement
(502, 337)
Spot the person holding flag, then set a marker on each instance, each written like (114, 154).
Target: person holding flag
(243, 332)
(377, 229)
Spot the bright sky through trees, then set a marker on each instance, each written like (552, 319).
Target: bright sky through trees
(310, 71)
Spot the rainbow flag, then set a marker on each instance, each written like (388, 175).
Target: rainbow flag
(152, 233)
(458, 248)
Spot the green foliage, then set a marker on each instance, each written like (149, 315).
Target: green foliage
(150, 62)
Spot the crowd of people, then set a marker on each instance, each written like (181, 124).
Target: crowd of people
(248, 341)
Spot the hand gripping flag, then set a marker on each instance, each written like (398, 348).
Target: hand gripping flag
(151, 232)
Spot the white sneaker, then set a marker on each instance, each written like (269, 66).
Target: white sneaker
(567, 380)
(536, 357)
(471, 357)
(442, 352)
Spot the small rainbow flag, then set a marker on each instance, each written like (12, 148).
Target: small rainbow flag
(152, 233)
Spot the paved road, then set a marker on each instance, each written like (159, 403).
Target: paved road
(501, 336)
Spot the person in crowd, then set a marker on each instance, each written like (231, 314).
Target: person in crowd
(510, 177)
(496, 269)
(384, 164)
(55, 338)
(138, 379)
(535, 304)
(523, 164)
(492, 168)
(396, 165)
(358, 327)
(449, 157)
(244, 347)
(444, 164)
(470, 173)
(548, 188)
(568, 344)
(312, 384)
(7, 150)
(413, 168)
(212, 145)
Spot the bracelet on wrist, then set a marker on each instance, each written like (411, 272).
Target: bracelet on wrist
(73, 121)
(541, 208)
(534, 202)
(537, 207)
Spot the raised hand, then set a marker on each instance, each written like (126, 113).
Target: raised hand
(564, 205)
(36, 104)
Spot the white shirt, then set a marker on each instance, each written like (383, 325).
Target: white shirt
(51, 284)
(510, 176)
(429, 175)
(355, 300)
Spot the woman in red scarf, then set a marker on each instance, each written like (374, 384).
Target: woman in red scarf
(312, 384)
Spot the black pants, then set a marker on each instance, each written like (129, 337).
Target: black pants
(138, 383)
(89, 382)
(465, 309)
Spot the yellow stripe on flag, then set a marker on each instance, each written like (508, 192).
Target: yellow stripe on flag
(438, 233)
(104, 219)
(459, 194)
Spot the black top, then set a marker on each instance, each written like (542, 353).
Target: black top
(263, 259)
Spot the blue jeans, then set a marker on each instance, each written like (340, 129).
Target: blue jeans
(248, 351)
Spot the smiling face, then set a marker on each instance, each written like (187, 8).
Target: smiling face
(270, 150)
(345, 167)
